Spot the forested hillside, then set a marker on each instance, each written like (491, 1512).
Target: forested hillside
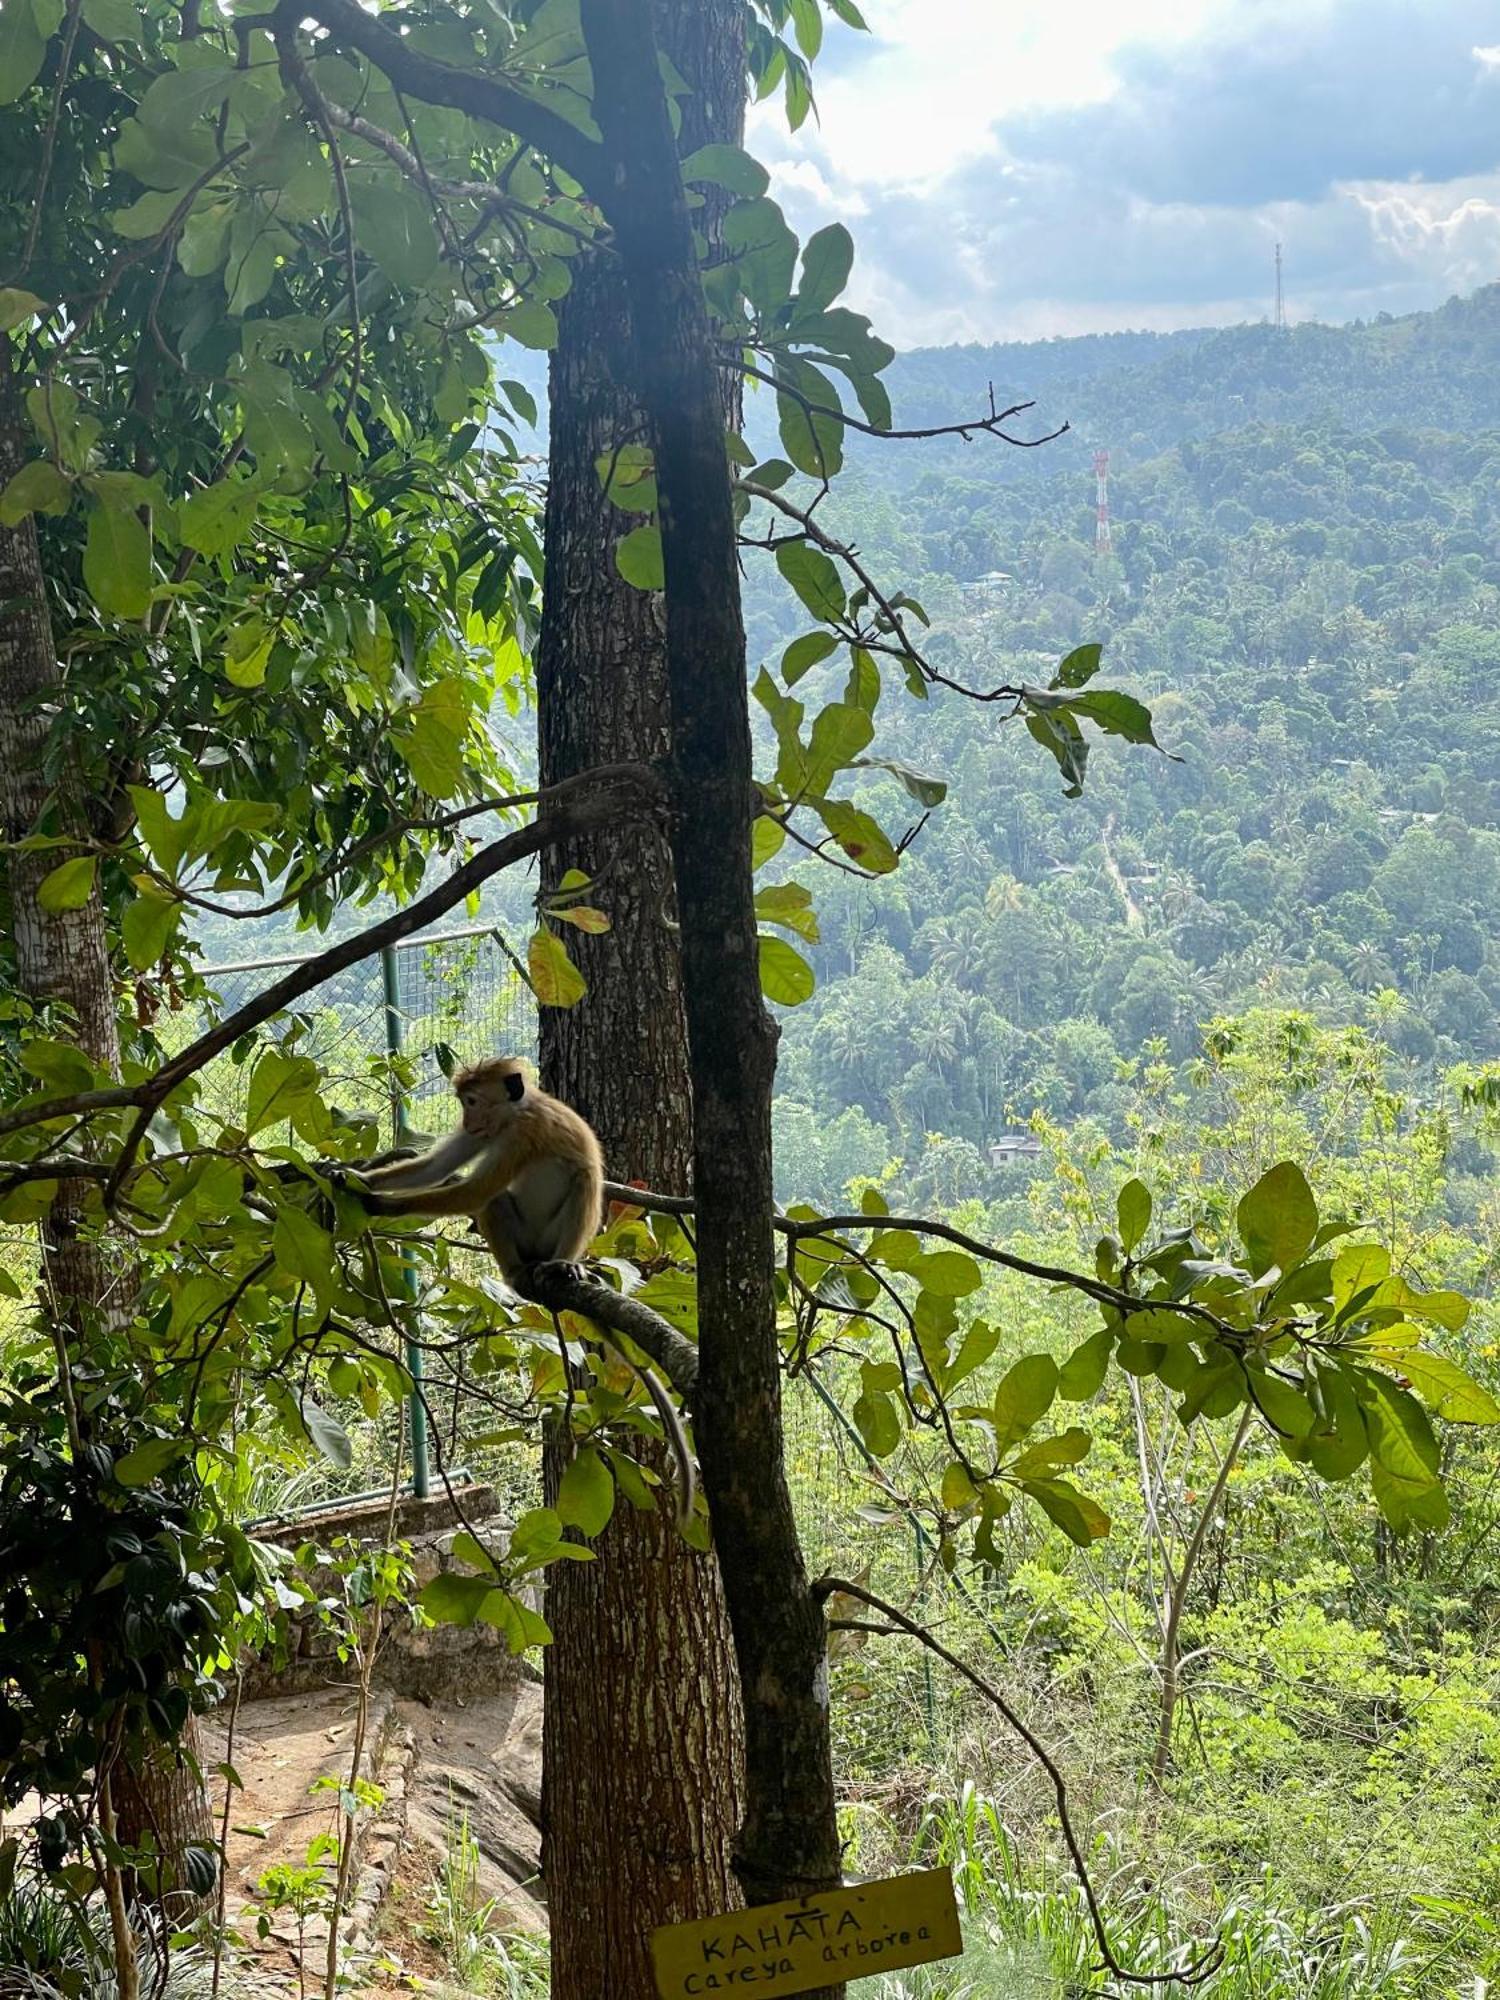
(1305, 587)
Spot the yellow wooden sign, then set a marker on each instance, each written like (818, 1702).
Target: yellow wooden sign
(780, 1948)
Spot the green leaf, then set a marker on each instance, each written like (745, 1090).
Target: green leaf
(638, 558)
(726, 167)
(1079, 667)
(148, 215)
(1278, 1219)
(767, 838)
(301, 1248)
(1400, 1434)
(215, 519)
(978, 1344)
(247, 652)
(555, 979)
(1133, 1208)
(949, 1273)
(22, 49)
(1070, 1447)
(815, 578)
(393, 222)
(586, 1493)
(1082, 1374)
(38, 488)
(878, 1422)
(532, 323)
(69, 885)
(117, 561)
(17, 306)
(454, 1599)
(326, 1433)
(826, 263)
(279, 1085)
(1445, 1388)
(147, 929)
(788, 904)
(862, 838)
(1082, 1520)
(181, 96)
(164, 836)
(1286, 1409)
(432, 740)
(148, 1461)
(1024, 1396)
(785, 975)
(926, 791)
(805, 653)
(957, 1490)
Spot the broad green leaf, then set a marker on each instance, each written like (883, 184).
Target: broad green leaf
(1338, 1443)
(301, 1248)
(926, 791)
(17, 306)
(532, 323)
(1445, 1388)
(1082, 1520)
(327, 1433)
(1070, 1447)
(215, 519)
(279, 1084)
(148, 1461)
(951, 1274)
(804, 653)
(147, 929)
(1400, 1434)
(1358, 1268)
(181, 96)
(815, 578)
(726, 167)
(638, 558)
(878, 1423)
(826, 263)
(432, 740)
(789, 904)
(117, 561)
(1407, 1501)
(586, 1493)
(1133, 1208)
(148, 215)
(767, 838)
(978, 1344)
(247, 652)
(1278, 1219)
(62, 1066)
(22, 49)
(38, 488)
(785, 975)
(862, 838)
(393, 221)
(455, 1599)
(1078, 668)
(521, 1626)
(69, 885)
(1287, 1410)
(628, 477)
(1082, 1374)
(1024, 1396)
(957, 1490)
(555, 979)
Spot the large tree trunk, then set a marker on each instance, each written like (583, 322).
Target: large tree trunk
(642, 1734)
(789, 1839)
(62, 962)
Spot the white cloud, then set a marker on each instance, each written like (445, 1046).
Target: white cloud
(1019, 168)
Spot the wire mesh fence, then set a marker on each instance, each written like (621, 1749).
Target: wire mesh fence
(383, 1031)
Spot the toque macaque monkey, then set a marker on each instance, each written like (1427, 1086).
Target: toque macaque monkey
(529, 1172)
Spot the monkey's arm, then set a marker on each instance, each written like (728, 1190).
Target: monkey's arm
(427, 1186)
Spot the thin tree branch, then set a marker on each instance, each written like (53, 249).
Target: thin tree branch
(969, 428)
(593, 799)
(477, 93)
(1191, 1975)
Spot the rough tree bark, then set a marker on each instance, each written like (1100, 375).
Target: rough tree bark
(62, 962)
(642, 1737)
(789, 1838)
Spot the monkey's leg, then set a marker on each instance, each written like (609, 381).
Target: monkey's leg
(502, 1226)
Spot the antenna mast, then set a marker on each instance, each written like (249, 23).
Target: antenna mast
(1103, 544)
(1280, 296)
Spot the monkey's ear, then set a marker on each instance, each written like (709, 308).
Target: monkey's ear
(515, 1087)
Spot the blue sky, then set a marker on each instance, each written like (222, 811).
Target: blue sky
(1018, 168)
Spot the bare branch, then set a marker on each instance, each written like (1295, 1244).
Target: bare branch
(990, 426)
(1191, 1975)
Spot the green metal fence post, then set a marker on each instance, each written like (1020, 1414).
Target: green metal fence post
(394, 1038)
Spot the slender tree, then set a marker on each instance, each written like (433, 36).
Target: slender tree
(641, 1784)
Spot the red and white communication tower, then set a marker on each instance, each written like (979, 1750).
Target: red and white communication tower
(1103, 545)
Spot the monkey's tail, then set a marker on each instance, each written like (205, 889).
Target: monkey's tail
(671, 1423)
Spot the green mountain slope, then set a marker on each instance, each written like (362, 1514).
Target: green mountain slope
(1306, 587)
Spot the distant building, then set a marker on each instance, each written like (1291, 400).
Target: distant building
(1013, 1146)
(989, 585)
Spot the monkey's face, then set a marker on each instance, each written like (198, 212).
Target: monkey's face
(484, 1109)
